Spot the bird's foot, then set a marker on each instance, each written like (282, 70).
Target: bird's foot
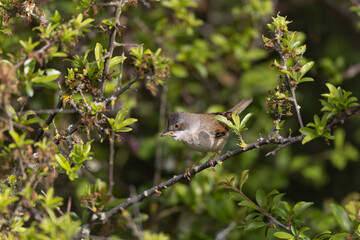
(211, 161)
(187, 174)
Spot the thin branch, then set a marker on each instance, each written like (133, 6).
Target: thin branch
(159, 142)
(118, 92)
(49, 120)
(273, 152)
(111, 47)
(225, 232)
(37, 52)
(94, 237)
(113, 3)
(49, 111)
(284, 67)
(111, 164)
(57, 208)
(156, 189)
(21, 164)
(105, 216)
(73, 128)
(262, 211)
(351, 72)
(27, 128)
(336, 121)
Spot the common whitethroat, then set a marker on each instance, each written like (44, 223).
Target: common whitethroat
(202, 132)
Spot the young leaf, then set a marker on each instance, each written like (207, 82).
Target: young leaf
(244, 177)
(283, 235)
(261, 198)
(301, 206)
(51, 74)
(305, 68)
(341, 217)
(62, 162)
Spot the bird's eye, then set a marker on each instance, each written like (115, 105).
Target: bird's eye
(176, 125)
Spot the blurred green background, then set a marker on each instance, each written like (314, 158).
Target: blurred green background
(217, 58)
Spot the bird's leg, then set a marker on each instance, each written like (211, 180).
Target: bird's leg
(211, 162)
(187, 172)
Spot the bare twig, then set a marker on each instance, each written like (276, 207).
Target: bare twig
(7, 121)
(113, 3)
(159, 142)
(225, 232)
(49, 111)
(49, 120)
(135, 226)
(42, 50)
(57, 208)
(273, 152)
(119, 5)
(93, 237)
(111, 164)
(351, 72)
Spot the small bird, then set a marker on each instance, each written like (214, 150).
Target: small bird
(202, 132)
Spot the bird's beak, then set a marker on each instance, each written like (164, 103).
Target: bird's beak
(167, 133)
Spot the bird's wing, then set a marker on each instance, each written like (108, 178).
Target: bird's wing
(219, 129)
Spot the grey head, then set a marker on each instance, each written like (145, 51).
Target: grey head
(178, 121)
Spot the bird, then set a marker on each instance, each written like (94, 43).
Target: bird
(201, 131)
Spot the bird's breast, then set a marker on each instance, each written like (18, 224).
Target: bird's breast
(203, 141)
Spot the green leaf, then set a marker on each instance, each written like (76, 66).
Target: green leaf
(340, 236)
(323, 236)
(62, 162)
(51, 74)
(129, 121)
(306, 79)
(56, 18)
(308, 138)
(98, 51)
(244, 177)
(341, 217)
(246, 118)
(246, 203)
(301, 207)
(121, 114)
(116, 60)
(123, 129)
(254, 225)
(281, 213)
(304, 69)
(288, 73)
(283, 235)
(222, 119)
(202, 70)
(261, 198)
(307, 131)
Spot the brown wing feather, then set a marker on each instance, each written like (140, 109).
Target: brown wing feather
(221, 128)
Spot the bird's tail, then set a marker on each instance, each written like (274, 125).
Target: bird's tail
(240, 106)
